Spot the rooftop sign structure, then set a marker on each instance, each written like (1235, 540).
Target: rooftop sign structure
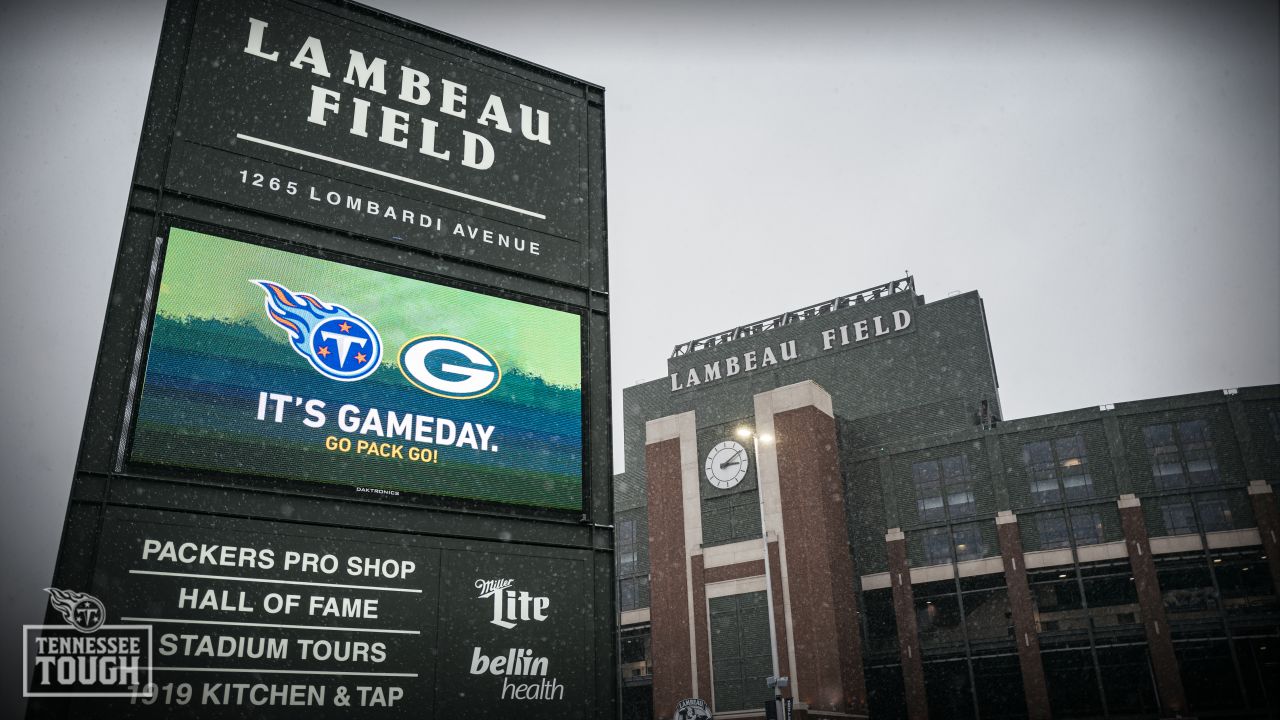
(906, 284)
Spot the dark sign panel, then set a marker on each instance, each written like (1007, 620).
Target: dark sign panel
(245, 619)
(261, 617)
(343, 449)
(287, 110)
(265, 362)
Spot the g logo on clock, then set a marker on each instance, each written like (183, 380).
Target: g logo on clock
(726, 464)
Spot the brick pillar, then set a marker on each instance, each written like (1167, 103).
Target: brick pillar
(1267, 516)
(1026, 636)
(1164, 663)
(823, 602)
(780, 614)
(803, 495)
(904, 610)
(675, 522)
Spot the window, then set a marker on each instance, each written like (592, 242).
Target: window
(998, 682)
(626, 540)
(626, 562)
(1180, 515)
(1186, 583)
(1058, 469)
(944, 488)
(1244, 577)
(633, 593)
(958, 486)
(942, 544)
(1111, 592)
(938, 618)
(1055, 591)
(1072, 680)
(627, 594)
(928, 480)
(1215, 515)
(882, 623)
(636, 656)
(987, 615)
(626, 531)
(1127, 680)
(1085, 528)
(937, 546)
(1179, 518)
(1181, 454)
(969, 544)
(1052, 529)
(1197, 452)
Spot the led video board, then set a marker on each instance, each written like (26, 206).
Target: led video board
(266, 362)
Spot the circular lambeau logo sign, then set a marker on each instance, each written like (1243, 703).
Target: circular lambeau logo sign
(692, 709)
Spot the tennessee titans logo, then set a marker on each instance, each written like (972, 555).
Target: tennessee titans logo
(84, 611)
(336, 341)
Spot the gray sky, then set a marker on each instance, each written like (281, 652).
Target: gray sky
(1106, 174)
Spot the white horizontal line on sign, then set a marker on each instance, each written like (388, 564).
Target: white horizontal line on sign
(239, 623)
(285, 672)
(393, 176)
(269, 580)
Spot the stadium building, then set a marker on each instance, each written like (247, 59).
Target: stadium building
(926, 557)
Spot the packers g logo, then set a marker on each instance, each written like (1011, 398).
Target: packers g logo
(449, 367)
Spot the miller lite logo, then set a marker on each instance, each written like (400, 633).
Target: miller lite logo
(337, 342)
(510, 606)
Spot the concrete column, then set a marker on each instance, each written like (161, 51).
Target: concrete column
(701, 627)
(1267, 516)
(1026, 635)
(801, 471)
(904, 610)
(1164, 663)
(675, 535)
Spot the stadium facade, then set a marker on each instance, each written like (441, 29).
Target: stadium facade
(925, 557)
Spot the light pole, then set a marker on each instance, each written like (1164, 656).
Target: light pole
(776, 682)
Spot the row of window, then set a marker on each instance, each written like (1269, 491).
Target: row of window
(1076, 526)
(1099, 596)
(1181, 455)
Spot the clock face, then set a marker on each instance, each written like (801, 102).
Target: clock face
(726, 464)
